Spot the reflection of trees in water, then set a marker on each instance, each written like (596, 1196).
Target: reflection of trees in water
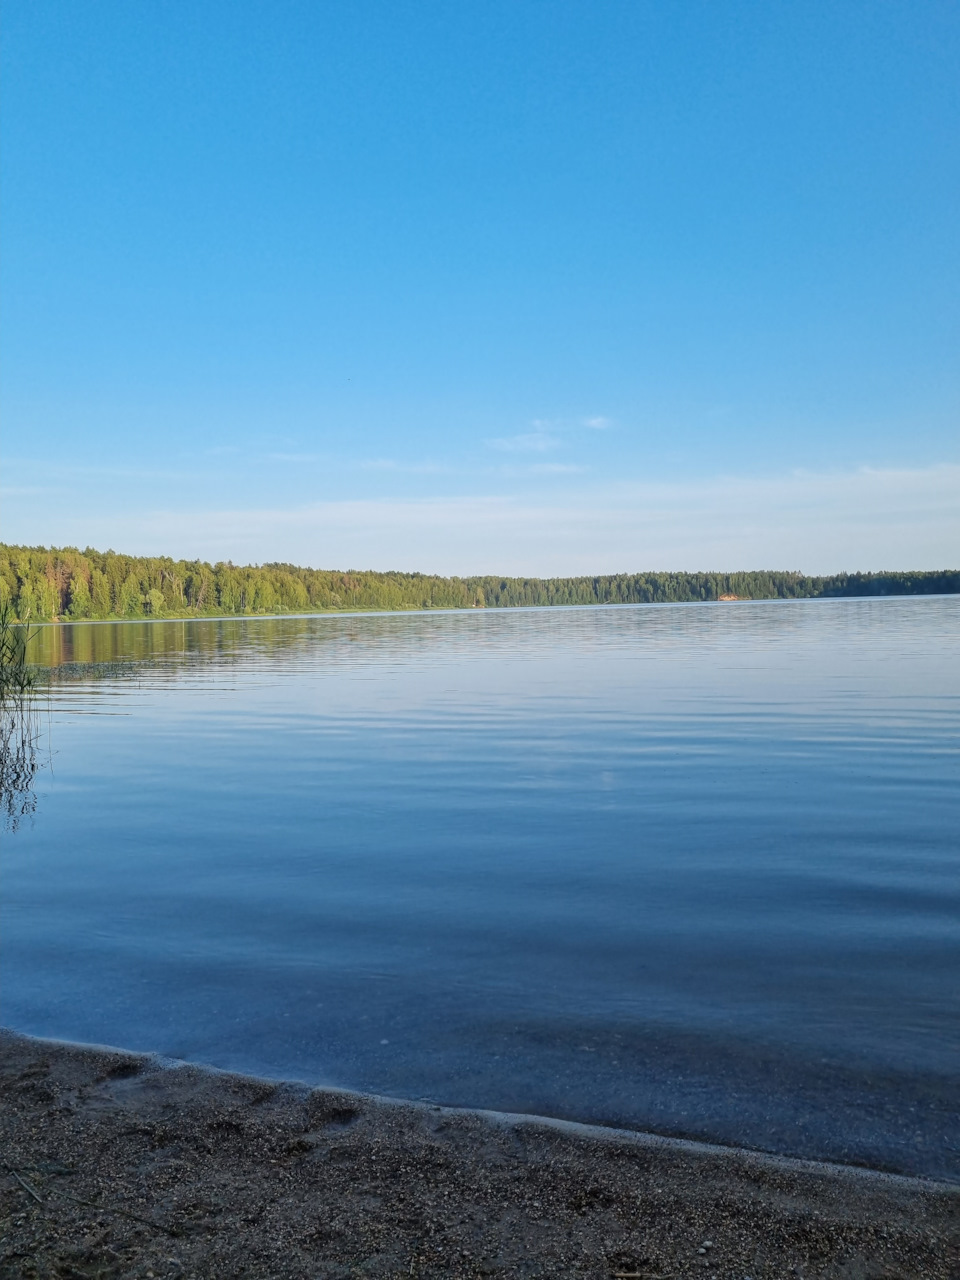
(18, 764)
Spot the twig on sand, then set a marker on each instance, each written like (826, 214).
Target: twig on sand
(26, 1185)
(90, 1204)
(108, 1208)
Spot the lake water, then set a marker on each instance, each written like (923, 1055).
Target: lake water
(693, 868)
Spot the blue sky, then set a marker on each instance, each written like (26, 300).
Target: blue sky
(511, 287)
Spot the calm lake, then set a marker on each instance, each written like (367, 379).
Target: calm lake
(690, 868)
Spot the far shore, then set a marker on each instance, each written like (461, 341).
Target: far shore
(118, 1164)
(405, 610)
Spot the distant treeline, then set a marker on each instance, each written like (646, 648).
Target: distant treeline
(44, 584)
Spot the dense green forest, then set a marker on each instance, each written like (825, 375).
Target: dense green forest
(44, 584)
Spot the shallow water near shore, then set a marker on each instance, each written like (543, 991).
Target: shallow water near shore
(691, 869)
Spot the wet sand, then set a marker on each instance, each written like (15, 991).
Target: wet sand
(118, 1164)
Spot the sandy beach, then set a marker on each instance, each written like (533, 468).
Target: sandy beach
(119, 1164)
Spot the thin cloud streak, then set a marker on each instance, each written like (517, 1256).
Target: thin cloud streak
(526, 442)
(818, 522)
(78, 470)
(406, 468)
(30, 490)
(537, 469)
(297, 457)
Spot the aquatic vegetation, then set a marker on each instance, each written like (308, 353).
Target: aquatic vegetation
(17, 677)
(19, 682)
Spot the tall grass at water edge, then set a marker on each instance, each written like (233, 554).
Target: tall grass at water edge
(17, 678)
(19, 682)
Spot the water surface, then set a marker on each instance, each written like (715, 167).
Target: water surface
(685, 868)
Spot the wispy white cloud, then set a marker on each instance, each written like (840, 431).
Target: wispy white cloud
(29, 490)
(818, 522)
(537, 441)
(81, 470)
(296, 457)
(517, 471)
(547, 434)
(406, 468)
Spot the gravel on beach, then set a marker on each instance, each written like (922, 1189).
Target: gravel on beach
(117, 1164)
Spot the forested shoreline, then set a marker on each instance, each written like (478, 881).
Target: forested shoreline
(48, 584)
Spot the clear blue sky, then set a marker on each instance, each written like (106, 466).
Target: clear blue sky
(524, 286)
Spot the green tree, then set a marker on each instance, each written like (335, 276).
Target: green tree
(130, 601)
(101, 606)
(48, 600)
(80, 603)
(26, 603)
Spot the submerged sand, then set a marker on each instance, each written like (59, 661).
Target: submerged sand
(119, 1164)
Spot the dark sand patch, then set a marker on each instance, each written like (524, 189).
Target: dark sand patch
(119, 1165)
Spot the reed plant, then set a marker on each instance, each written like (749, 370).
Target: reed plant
(18, 724)
(17, 677)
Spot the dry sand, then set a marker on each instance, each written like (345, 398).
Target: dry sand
(117, 1164)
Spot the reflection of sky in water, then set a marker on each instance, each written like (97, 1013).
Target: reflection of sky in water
(687, 867)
